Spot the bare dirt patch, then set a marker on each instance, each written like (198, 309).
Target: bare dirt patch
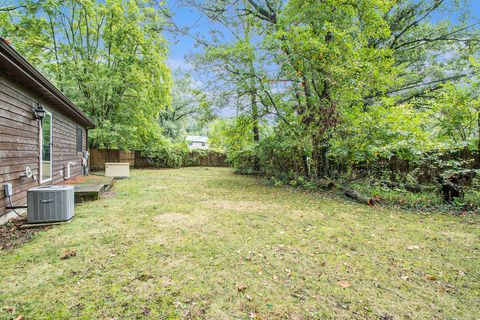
(172, 219)
(241, 205)
(109, 194)
(83, 179)
(12, 236)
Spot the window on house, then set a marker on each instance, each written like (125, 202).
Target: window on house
(46, 148)
(79, 139)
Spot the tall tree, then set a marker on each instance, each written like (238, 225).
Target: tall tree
(323, 48)
(239, 65)
(109, 57)
(190, 110)
(343, 61)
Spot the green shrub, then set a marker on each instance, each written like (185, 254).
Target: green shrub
(472, 199)
(167, 155)
(245, 160)
(281, 156)
(178, 155)
(273, 156)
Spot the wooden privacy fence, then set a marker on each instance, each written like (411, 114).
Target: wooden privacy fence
(98, 158)
(212, 160)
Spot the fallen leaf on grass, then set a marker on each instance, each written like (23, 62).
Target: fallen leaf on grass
(344, 284)
(430, 278)
(144, 277)
(242, 288)
(413, 247)
(9, 309)
(68, 254)
(253, 315)
(168, 283)
(146, 311)
(20, 318)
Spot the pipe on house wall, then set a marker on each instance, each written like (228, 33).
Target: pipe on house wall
(86, 169)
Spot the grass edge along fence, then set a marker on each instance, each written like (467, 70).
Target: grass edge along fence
(158, 158)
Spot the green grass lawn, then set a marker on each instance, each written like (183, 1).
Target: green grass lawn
(205, 243)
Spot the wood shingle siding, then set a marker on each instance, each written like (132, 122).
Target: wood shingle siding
(22, 88)
(19, 141)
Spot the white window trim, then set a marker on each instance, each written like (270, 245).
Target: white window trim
(41, 149)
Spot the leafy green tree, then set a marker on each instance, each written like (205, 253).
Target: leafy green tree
(426, 52)
(109, 57)
(360, 81)
(190, 110)
(231, 134)
(383, 132)
(239, 66)
(454, 112)
(323, 49)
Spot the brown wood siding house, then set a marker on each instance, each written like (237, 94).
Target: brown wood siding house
(23, 140)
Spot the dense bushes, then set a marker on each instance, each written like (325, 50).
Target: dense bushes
(167, 155)
(245, 161)
(288, 159)
(283, 159)
(283, 155)
(196, 157)
(170, 155)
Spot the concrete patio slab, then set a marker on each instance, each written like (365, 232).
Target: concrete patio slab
(89, 187)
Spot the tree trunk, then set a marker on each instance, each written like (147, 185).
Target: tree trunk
(316, 157)
(454, 185)
(306, 168)
(256, 132)
(325, 161)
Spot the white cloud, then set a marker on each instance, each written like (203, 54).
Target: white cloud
(178, 64)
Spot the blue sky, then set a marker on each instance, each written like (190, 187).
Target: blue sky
(180, 46)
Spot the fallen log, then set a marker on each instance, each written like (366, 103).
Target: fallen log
(355, 195)
(329, 184)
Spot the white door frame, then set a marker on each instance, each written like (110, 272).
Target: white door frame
(41, 149)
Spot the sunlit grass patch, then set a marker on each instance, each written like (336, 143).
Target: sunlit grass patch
(201, 243)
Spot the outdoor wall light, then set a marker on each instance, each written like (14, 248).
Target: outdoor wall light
(39, 112)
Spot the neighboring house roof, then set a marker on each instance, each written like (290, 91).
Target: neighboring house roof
(13, 64)
(197, 138)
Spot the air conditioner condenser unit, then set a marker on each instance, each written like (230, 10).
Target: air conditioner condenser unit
(50, 204)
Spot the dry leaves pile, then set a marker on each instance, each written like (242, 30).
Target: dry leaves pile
(68, 254)
(12, 236)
